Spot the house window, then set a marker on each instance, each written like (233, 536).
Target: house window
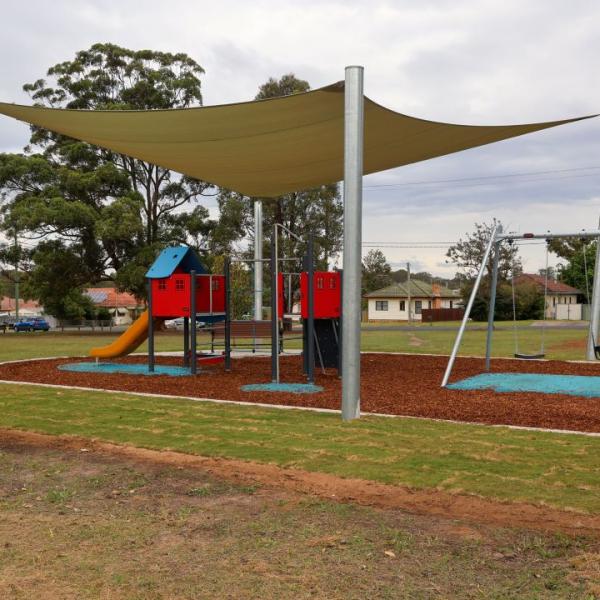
(418, 307)
(451, 303)
(162, 285)
(428, 303)
(381, 305)
(553, 300)
(319, 283)
(332, 283)
(402, 305)
(179, 285)
(215, 285)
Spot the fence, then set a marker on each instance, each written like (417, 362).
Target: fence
(435, 315)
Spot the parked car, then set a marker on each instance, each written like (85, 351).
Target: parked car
(177, 324)
(34, 324)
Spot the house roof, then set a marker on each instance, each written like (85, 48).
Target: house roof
(111, 298)
(554, 287)
(8, 305)
(172, 258)
(417, 289)
(269, 147)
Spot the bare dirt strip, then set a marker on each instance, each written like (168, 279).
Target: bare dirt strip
(391, 384)
(366, 493)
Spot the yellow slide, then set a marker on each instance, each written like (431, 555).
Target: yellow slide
(128, 341)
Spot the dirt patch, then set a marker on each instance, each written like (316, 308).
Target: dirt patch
(99, 524)
(393, 384)
(366, 493)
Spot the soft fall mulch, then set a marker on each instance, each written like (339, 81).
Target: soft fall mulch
(391, 384)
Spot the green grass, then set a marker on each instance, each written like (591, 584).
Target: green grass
(565, 344)
(40, 345)
(539, 467)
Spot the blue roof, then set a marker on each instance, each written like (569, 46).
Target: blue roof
(172, 258)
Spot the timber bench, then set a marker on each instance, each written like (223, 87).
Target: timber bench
(250, 333)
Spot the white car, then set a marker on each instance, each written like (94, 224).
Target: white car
(177, 324)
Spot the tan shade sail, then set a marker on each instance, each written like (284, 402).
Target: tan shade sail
(270, 147)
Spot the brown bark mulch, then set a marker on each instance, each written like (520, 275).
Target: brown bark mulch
(392, 384)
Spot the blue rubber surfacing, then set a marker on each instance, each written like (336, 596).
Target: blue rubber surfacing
(127, 369)
(293, 388)
(572, 385)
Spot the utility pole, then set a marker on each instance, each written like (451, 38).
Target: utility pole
(16, 276)
(408, 288)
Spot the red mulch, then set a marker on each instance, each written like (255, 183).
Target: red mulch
(394, 384)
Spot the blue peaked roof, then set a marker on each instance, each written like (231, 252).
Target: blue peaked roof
(172, 258)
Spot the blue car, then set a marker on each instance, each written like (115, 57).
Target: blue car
(35, 324)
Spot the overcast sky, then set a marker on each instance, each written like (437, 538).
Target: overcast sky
(462, 61)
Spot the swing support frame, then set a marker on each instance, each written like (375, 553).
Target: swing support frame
(494, 244)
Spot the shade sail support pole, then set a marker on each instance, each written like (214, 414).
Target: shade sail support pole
(258, 263)
(353, 171)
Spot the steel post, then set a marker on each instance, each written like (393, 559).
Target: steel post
(310, 330)
(258, 263)
(274, 315)
(594, 309)
(193, 330)
(227, 267)
(150, 328)
(492, 305)
(463, 325)
(186, 341)
(353, 172)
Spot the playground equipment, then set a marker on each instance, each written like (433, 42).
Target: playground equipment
(496, 239)
(540, 353)
(178, 286)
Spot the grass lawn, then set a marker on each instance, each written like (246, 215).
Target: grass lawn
(558, 470)
(565, 344)
(78, 525)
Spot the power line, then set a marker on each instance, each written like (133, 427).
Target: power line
(484, 179)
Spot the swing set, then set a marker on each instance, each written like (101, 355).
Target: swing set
(496, 239)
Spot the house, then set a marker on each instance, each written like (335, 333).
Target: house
(561, 299)
(27, 308)
(391, 303)
(122, 306)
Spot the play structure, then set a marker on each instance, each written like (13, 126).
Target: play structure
(273, 147)
(179, 286)
(497, 238)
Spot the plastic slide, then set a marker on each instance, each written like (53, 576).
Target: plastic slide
(128, 341)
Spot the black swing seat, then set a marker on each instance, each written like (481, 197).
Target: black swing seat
(597, 352)
(533, 356)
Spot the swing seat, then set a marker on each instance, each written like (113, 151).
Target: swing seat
(597, 352)
(532, 356)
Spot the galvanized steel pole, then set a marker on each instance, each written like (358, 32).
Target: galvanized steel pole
(463, 325)
(594, 309)
(492, 305)
(353, 171)
(258, 266)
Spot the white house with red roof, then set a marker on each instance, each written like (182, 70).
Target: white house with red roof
(122, 306)
(561, 299)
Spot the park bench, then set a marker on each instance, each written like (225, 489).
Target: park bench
(248, 334)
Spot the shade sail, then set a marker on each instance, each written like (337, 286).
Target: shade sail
(269, 147)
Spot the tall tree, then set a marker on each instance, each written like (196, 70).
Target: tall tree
(112, 212)
(467, 254)
(376, 271)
